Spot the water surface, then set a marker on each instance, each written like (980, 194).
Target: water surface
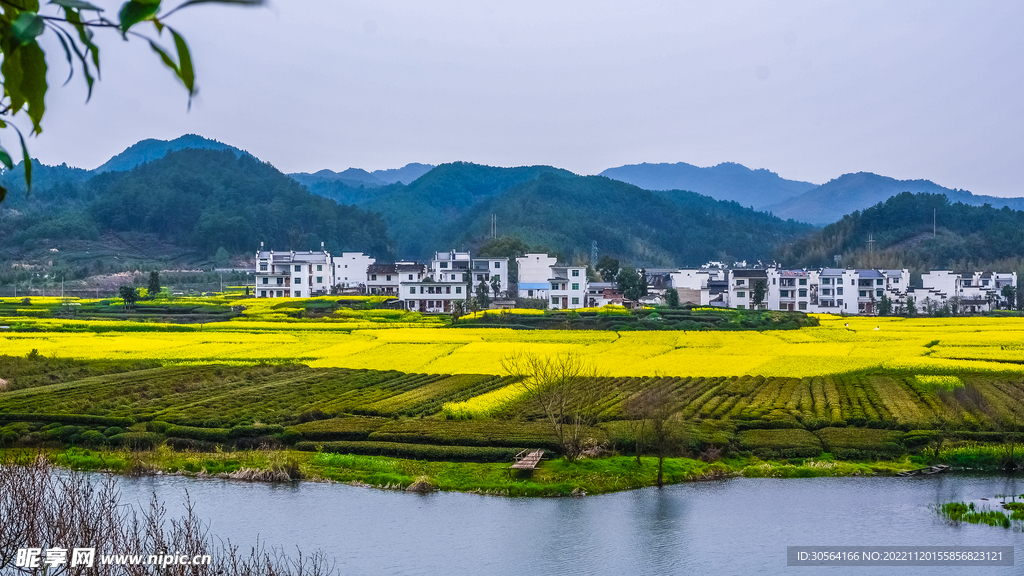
(735, 526)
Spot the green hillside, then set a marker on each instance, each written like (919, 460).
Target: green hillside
(195, 200)
(566, 212)
(902, 229)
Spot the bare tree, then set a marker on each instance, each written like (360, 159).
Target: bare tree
(41, 508)
(656, 424)
(566, 389)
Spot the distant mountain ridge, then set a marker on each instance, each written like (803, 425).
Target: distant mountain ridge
(152, 149)
(726, 181)
(358, 177)
(849, 193)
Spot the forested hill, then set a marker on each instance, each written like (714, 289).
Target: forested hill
(153, 149)
(423, 216)
(726, 181)
(197, 200)
(902, 229)
(565, 212)
(829, 202)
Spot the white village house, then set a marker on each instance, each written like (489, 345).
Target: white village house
(455, 275)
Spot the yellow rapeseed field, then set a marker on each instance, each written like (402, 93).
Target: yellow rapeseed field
(926, 346)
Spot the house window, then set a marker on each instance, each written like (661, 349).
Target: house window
(878, 282)
(554, 286)
(412, 290)
(447, 289)
(410, 276)
(458, 289)
(863, 293)
(421, 289)
(444, 264)
(895, 280)
(839, 292)
(298, 268)
(741, 294)
(802, 305)
(319, 267)
(319, 279)
(263, 267)
(479, 276)
(554, 300)
(826, 291)
(298, 294)
(298, 280)
(263, 293)
(280, 281)
(803, 281)
(803, 292)
(741, 282)
(266, 280)
(575, 300)
(529, 293)
(878, 292)
(453, 276)
(373, 276)
(575, 286)
(575, 273)
(388, 278)
(839, 302)
(497, 265)
(280, 293)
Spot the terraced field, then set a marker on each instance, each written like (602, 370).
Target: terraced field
(396, 413)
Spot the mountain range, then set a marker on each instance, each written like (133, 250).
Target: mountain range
(647, 214)
(726, 181)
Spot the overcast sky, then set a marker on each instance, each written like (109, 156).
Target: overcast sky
(810, 90)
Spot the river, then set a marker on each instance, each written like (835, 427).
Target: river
(736, 526)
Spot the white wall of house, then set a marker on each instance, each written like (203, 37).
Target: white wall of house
(350, 269)
(568, 287)
(534, 272)
(293, 274)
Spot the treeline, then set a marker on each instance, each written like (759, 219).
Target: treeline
(202, 200)
(902, 229)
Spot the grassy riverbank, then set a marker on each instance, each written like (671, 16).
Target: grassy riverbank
(556, 477)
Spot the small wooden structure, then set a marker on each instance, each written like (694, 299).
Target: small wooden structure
(527, 459)
(937, 469)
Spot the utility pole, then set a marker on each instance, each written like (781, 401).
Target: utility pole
(933, 222)
(494, 226)
(871, 250)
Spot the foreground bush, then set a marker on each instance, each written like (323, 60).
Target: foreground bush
(38, 507)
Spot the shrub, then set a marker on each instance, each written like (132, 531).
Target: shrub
(78, 419)
(786, 443)
(351, 428)
(415, 451)
(205, 434)
(860, 443)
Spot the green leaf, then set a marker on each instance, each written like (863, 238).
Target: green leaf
(26, 160)
(6, 158)
(185, 71)
(67, 52)
(168, 61)
(77, 4)
(193, 2)
(85, 63)
(135, 11)
(26, 27)
(33, 82)
(12, 73)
